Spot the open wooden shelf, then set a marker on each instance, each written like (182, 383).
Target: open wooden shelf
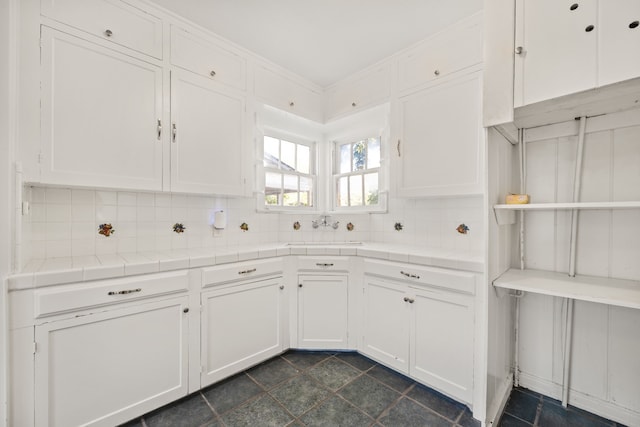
(618, 292)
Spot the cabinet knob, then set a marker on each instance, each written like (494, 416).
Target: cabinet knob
(634, 24)
(573, 6)
(409, 300)
(186, 310)
(519, 50)
(300, 285)
(292, 104)
(281, 287)
(108, 33)
(436, 72)
(212, 73)
(353, 104)
(589, 28)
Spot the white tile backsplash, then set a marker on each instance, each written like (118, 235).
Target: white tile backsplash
(65, 223)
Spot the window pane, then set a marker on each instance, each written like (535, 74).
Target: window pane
(345, 158)
(306, 191)
(343, 191)
(373, 153)
(271, 152)
(355, 190)
(304, 158)
(288, 155)
(371, 189)
(272, 186)
(359, 155)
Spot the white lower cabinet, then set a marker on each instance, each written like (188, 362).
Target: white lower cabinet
(242, 325)
(323, 320)
(425, 332)
(441, 341)
(103, 369)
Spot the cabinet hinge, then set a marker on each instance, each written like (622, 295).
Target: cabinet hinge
(40, 157)
(35, 347)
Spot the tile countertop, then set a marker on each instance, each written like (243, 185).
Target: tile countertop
(54, 271)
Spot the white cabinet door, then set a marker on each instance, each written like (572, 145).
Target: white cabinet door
(207, 136)
(440, 146)
(374, 87)
(558, 49)
(100, 115)
(385, 324)
(442, 331)
(619, 41)
(323, 312)
(104, 369)
(115, 21)
(241, 325)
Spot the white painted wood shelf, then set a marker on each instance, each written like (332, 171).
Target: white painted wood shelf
(565, 206)
(603, 290)
(505, 214)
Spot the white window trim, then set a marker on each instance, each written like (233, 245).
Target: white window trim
(382, 170)
(313, 165)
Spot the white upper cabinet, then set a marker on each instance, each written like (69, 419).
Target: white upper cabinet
(439, 151)
(207, 136)
(99, 116)
(369, 89)
(111, 20)
(441, 55)
(557, 45)
(197, 54)
(619, 40)
(565, 47)
(279, 91)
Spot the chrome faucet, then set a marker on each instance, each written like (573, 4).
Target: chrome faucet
(324, 221)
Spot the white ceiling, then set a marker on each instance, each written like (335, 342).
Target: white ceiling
(323, 40)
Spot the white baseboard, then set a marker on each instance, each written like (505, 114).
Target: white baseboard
(580, 400)
(494, 412)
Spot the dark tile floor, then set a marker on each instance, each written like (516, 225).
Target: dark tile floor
(526, 408)
(313, 389)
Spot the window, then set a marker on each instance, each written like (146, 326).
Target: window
(289, 173)
(357, 173)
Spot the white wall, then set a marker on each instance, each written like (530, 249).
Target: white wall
(606, 347)
(7, 127)
(502, 165)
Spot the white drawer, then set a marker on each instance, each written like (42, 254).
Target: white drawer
(285, 94)
(458, 281)
(111, 20)
(65, 298)
(212, 276)
(206, 58)
(370, 89)
(440, 56)
(323, 263)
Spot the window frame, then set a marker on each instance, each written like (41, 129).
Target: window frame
(313, 171)
(381, 206)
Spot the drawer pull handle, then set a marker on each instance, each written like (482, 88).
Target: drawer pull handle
(409, 300)
(108, 33)
(324, 264)
(253, 270)
(413, 276)
(125, 292)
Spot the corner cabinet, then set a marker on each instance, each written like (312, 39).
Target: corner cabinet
(440, 145)
(100, 115)
(323, 302)
(207, 136)
(421, 325)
